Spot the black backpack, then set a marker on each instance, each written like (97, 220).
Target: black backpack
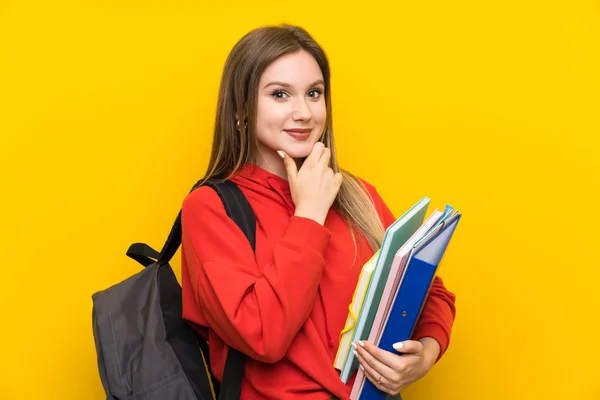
(144, 347)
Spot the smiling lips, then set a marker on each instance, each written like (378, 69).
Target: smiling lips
(299, 134)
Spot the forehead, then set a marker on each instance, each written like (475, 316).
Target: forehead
(299, 68)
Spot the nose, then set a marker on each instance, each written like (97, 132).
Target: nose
(301, 111)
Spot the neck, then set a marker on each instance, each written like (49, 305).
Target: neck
(270, 161)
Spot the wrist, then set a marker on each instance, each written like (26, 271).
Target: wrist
(431, 350)
(315, 216)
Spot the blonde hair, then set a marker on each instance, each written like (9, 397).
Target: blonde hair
(232, 149)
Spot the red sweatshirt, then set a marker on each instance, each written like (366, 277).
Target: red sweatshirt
(285, 305)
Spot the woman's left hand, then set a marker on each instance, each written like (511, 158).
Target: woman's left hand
(391, 372)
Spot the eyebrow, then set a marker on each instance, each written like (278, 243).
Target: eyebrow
(287, 85)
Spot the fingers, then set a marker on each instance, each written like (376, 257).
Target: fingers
(378, 380)
(408, 347)
(324, 163)
(325, 157)
(315, 155)
(290, 165)
(339, 178)
(320, 157)
(373, 365)
(369, 350)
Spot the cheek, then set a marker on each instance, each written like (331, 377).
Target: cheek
(319, 112)
(271, 118)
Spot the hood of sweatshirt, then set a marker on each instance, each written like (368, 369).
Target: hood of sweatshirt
(259, 180)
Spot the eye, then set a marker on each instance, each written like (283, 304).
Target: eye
(315, 93)
(279, 94)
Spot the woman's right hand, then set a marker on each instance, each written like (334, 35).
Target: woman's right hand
(315, 186)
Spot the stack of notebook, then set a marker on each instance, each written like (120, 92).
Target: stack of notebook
(392, 288)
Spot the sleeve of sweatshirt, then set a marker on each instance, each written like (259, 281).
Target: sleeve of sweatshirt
(439, 310)
(257, 309)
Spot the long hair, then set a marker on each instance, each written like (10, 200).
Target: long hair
(235, 146)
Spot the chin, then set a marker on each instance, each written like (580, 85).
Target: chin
(299, 151)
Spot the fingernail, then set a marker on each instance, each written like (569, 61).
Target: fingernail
(355, 353)
(398, 346)
(362, 344)
(354, 346)
(280, 153)
(361, 368)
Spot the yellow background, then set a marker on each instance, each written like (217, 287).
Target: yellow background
(106, 115)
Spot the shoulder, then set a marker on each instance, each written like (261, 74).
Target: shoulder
(204, 200)
(374, 193)
(371, 189)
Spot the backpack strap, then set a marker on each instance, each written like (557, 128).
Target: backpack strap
(240, 211)
(143, 254)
